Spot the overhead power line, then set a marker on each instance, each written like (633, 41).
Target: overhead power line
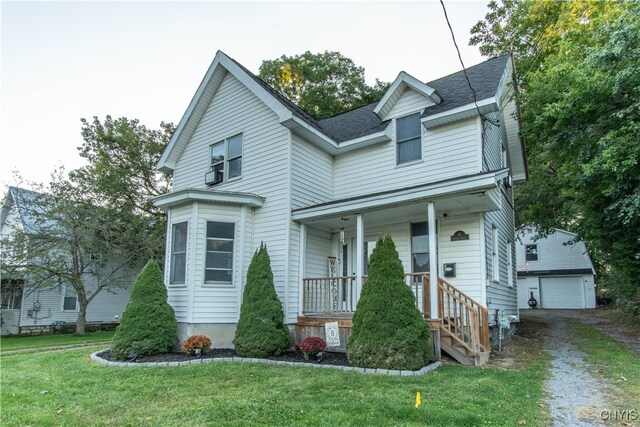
(464, 70)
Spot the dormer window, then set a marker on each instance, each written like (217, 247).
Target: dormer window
(226, 160)
(408, 138)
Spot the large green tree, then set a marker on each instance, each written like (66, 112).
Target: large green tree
(322, 84)
(121, 172)
(580, 99)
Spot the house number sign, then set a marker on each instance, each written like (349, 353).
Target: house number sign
(332, 334)
(459, 235)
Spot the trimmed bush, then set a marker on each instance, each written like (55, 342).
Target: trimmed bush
(148, 324)
(261, 331)
(388, 331)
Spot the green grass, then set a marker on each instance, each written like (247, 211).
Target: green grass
(612, 360)
(66, 388)
(17, 343)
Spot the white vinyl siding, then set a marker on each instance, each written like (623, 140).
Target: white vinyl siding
(311, 174)
(409, 102)
(448, 151)
(554, 252)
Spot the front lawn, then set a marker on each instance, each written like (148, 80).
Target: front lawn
(66, 388)
(17, 343)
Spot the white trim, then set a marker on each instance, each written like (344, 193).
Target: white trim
(433, 259)
(302, 266)
(480, 144)
(192, 235)
(359, 253)
(487, 105)
(287, 244)
(242, 243)
(476, 182)
(483, 261)
(211, 196)
(400, 83)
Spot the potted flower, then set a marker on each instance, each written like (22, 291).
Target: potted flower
(312, 347)
(196, 345)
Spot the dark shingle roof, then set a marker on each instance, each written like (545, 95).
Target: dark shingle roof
(362, 121)
(454, 88)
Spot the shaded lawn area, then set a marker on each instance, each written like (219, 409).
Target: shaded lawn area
(612, 360)
(17, 343)
(66, 388)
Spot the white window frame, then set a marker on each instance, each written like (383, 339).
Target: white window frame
(64, 297)
(225, 162)
(233, 255)
(537, 253)
(172, 253)
(398, 141)
(495, 255)
(509, 248)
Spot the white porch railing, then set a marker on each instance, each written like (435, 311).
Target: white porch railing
(337, 295)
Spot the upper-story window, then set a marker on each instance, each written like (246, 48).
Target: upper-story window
(531, 252)
(226, 159)
(408, 138)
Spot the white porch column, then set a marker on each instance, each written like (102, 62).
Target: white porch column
(433, 260)
(359, 254)
(302, 266)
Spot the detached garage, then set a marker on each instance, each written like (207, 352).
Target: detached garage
(557, 271)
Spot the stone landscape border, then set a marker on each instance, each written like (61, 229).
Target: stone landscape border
(430, 367)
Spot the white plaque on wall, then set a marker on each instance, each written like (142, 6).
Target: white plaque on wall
(332, 334)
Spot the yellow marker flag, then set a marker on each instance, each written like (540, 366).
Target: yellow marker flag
(418, 399)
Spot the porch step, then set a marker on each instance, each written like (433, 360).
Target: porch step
(461, 353)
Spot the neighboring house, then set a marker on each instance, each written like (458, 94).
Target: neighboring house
(26, 310)
(557, 270)
(421, 165)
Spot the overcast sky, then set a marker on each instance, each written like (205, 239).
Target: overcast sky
(61, 61)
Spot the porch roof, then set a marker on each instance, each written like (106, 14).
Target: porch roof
(430, 192)
(211, 196)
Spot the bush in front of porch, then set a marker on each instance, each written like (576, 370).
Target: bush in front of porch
(261, 331)
(388, 330)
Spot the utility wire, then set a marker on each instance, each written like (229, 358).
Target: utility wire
(464, 70)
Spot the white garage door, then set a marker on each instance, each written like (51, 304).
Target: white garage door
(561, 292)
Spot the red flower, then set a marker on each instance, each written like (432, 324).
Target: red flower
(195, 342)
(312, 345)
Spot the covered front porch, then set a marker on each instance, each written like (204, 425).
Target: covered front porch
(440, 241)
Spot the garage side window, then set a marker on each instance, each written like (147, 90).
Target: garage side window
(531, 252)
(219, 261)
(178, 253)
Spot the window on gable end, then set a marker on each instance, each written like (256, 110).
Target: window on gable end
(226, 160)
(409, 138)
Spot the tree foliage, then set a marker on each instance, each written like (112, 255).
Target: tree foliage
(260, 331)
(322, 84)
(388, 330)
(148, 325)
(580, 99)
(121, 173)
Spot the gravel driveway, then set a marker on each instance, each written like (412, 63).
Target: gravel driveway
(576, 396)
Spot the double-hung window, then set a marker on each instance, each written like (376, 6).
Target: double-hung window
(70, 301)
(408, 138)
(226, 159)
(531, 252)
(178, 270)
(219, 259)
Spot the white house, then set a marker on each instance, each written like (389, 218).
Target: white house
(426, 164)
(556, 270)
(26, 310)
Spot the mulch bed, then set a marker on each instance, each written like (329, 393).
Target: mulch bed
(339, 359)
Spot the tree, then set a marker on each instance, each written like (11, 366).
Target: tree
(260, 331)
(148, 325)
(580, 118)
(322, 84)
(121, 173)
(388, 330)
(70, 241)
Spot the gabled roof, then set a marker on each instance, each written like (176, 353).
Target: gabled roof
(397, 88)
(358, 127)
(27, 204)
